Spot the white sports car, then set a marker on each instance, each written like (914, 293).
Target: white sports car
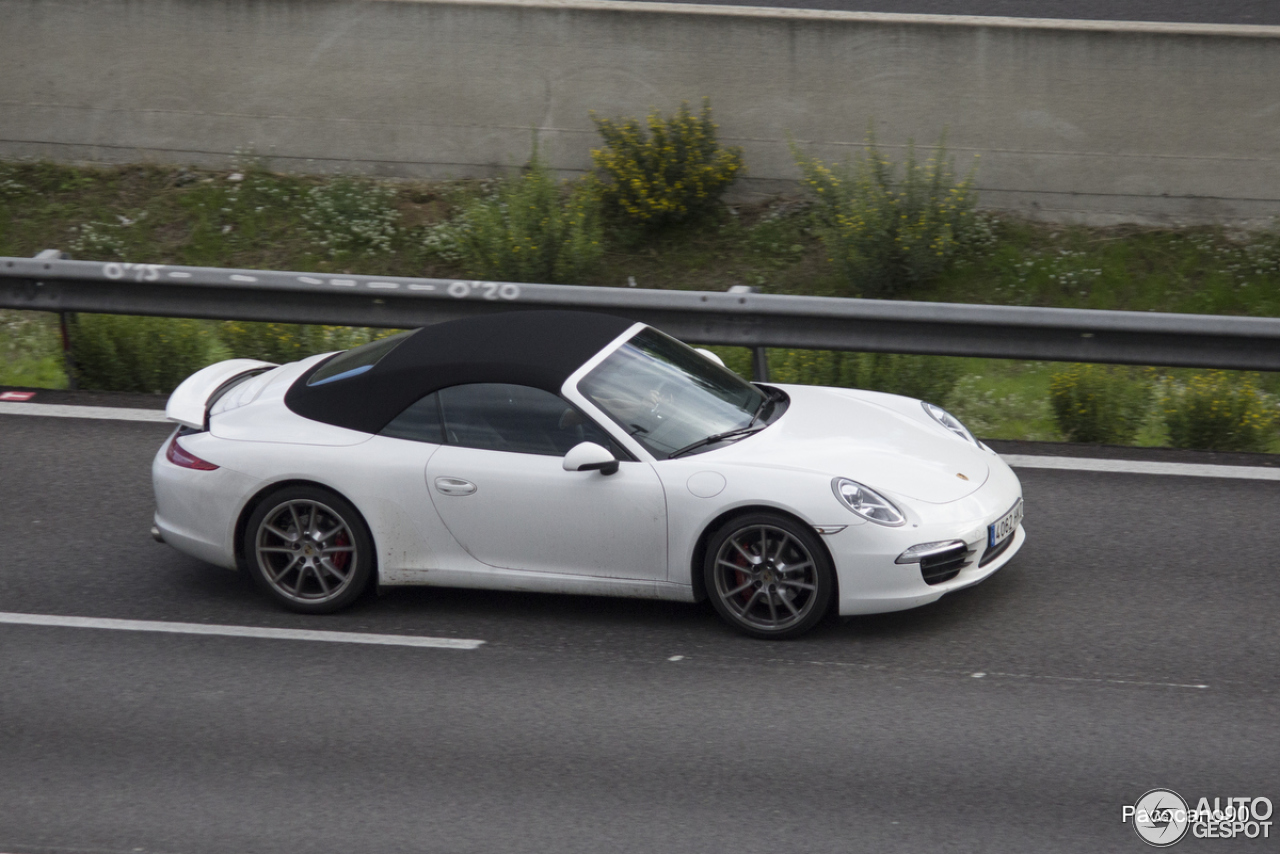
(572, 452)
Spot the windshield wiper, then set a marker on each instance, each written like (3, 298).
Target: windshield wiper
(771, 398)
(711, 440)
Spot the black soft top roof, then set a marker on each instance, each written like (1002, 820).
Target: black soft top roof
(533, 348)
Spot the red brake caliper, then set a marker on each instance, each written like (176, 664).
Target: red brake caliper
(340, 558)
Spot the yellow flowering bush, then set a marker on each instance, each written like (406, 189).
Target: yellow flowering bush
(288, 342)
(532, 229)
(1219, 411)
(885, 233)
(666, 170)
(1099, 404)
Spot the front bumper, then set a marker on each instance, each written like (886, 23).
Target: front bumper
(880, 586)
(864, 555)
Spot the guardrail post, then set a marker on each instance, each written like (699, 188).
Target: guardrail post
(65, 320)
(759, 355)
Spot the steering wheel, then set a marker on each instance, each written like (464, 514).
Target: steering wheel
(659, 397)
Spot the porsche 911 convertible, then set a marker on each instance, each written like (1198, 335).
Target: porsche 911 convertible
(573, 452)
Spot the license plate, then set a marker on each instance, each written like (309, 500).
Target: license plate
(1002, 528)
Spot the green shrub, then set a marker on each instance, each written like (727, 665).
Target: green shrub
(884, 233)
(925, 377)
(1099, 404)
(288, 342)
(1219, 411)
(146, 354)
(1012, 410)
(674, 170)
(154, 354)
(530, 230)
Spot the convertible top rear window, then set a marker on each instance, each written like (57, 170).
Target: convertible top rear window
(357, 360)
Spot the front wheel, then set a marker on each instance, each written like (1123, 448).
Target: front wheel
(309, 549)
(768, 576)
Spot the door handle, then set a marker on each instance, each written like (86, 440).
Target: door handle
(455, 486)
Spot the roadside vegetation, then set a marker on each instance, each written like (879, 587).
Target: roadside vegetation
(652, 215)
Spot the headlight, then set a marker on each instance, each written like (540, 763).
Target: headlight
(946, 419)
(866, 502)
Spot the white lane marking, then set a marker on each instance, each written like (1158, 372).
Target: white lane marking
(391, 286)
(1198, 686)
(238, 278)
(106, 413)
(178, 274)
(676, 658)
(1142, 467)
(310, 281)
(235, 631)
(343, 283)
(982, 674)
(422, 287)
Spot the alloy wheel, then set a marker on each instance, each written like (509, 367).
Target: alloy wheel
(766, 579)
(306, 551)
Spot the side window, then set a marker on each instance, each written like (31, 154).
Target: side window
(420, 422)
(504, 417)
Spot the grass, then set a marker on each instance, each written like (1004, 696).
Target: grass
(31, 350)
(256, 218)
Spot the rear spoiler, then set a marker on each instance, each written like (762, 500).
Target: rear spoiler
(188, 405)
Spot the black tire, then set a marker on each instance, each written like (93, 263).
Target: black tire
(309, 549)
(768, 576)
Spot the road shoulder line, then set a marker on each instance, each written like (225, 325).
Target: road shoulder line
(8, 618)
(1141, 467)
(103, 413)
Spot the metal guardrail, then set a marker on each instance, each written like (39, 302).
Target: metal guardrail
(737, 318)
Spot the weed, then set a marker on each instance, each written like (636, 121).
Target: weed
(529, 229)
(884, 233)
(347, 216)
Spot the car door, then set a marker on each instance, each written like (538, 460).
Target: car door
(499, 485)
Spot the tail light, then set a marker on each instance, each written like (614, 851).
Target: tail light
(180, 456)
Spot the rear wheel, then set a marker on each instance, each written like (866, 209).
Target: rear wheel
(768, 576)
(309, 549)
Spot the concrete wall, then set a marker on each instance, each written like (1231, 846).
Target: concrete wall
(1073, 120)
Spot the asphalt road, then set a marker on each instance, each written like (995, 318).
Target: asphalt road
(572, 730)
(1187, 11)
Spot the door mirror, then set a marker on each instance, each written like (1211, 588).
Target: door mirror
(710, 356)
(588, 456)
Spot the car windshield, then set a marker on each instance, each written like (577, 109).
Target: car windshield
(668, 396)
